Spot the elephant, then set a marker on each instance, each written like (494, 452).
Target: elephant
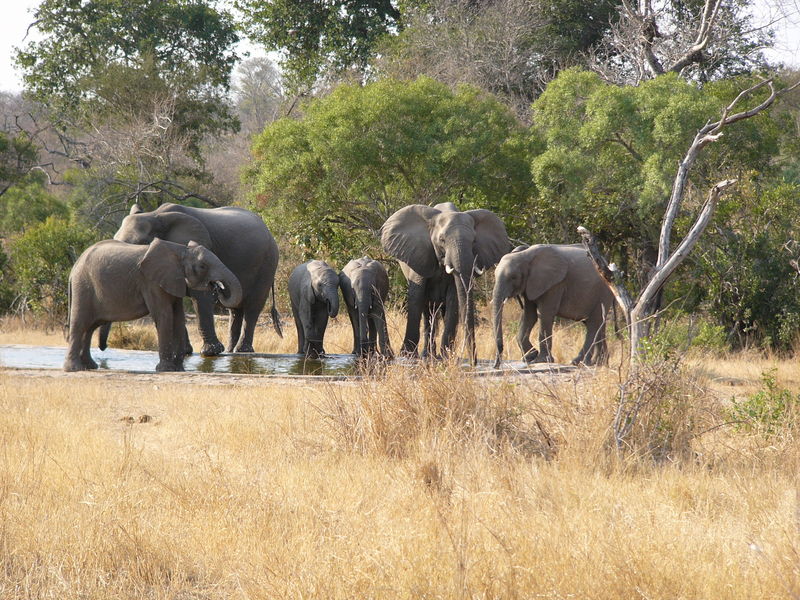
(117, 281)
(553, 280)
(242, 242)
(441, 248)
(314, 295)
(365, 286)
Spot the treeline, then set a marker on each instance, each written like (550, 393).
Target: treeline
(553, 115)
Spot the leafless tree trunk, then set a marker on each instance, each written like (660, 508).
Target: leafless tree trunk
(640, 312)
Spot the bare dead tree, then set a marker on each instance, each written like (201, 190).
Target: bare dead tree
(640, 312)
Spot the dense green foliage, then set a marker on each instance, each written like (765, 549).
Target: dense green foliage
(42, 259)
(28, 203)
(335, 34)
(610, 155)
(111, 55)
(330, 179)
(17, 155)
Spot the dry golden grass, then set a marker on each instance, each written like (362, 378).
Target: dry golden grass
(423, 483)
(419, 483)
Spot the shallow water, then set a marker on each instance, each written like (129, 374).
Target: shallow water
(48, 357)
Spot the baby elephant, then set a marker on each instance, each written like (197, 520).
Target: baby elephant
(116, 281)
(314, 294)
(365, 285)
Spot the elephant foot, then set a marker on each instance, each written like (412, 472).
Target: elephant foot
(531, 356)
(71, 366)
(169, 365)
(188, 350)
(542, 358)
(212, 349)
(245, 348)
(498, 361)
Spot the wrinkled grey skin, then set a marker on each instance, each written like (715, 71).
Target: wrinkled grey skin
(440, 248)
(365, 286)
(242, 242)
(314, 294)
(115, 281)
(553, 280)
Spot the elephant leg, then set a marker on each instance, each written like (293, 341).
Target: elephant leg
(234, 329)
(187, 344)
(372, 335)
(383, 333)
(298, 323)
(204, 307)
(529, 317)
(319, 322)
(595, 349)
(450, 317)
(353, 314)
(78, 356)
(250, 314)
(415, 306)
(168, 337)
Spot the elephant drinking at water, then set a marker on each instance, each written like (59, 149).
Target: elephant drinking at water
(115, 281)
(242, 242)
(314, 295)
(365, 286)
(439, 247)
(555, 281)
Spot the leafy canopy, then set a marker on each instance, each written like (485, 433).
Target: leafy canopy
(330, 179)
(610, 153)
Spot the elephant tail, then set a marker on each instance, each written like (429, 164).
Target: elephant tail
(102, 336)
(276, 318)
(69, 308)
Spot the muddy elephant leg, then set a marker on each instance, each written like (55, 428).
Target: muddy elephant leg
(545, 337)
(319, 323)
(529, 316)
(204, 307)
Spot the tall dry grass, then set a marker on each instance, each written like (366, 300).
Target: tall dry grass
(418, 483)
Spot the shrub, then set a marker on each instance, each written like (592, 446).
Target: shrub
(41, 259)
(133, 336)
(769, 410)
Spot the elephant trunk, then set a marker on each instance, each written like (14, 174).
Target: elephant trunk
(466, 300)
(332, 300)
(498, 301)
(363, 329)
(226, 284)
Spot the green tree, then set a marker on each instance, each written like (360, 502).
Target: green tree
(610, 155)
(321, 35)
(28, 203)
(330, 179)
(17, 155)
(42, 258)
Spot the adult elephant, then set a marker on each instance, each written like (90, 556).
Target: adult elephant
(553, 280)
(365, 286)
(240, 239)
(116, 281)
(314, 294)
(433, 244)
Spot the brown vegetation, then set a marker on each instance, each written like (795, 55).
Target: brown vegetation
(415, 483)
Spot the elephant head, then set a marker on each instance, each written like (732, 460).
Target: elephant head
(325, 286)
(442, 238)
(175, 267)
(143, 227)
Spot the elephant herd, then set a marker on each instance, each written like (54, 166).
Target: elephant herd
(228, 255)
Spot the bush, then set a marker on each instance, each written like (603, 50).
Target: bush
(769, 410)
(41, 259)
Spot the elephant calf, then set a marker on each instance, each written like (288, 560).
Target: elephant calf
(365, 286)
(555, 280)
(314, 295)
(117, 281)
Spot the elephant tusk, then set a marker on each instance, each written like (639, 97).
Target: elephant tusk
(448, 269)
(478, 270)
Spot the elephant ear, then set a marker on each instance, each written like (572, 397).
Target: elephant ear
(162, 265)
(491, 239)
(546, 268)
(182, 228)
(406, 236)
